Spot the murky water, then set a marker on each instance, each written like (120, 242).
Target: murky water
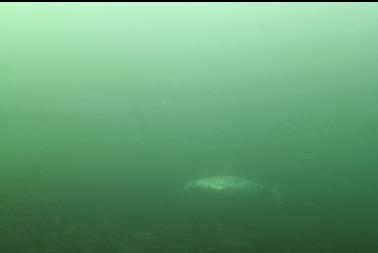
(107, 111)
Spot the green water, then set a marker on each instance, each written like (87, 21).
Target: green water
(108, 110)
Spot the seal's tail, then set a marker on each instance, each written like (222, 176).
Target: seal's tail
(277, 193)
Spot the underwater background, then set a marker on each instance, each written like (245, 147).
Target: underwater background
(107, 110)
